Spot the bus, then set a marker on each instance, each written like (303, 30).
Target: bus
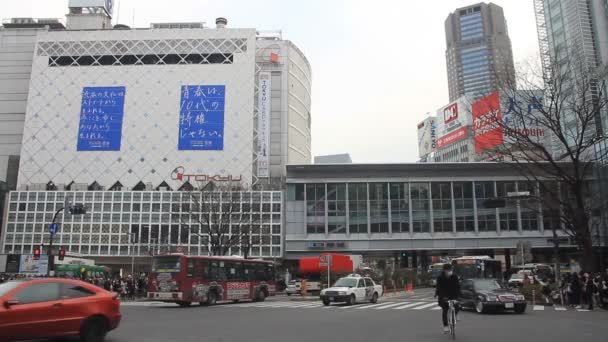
(181, 279)
(470, 267)
(435, 270)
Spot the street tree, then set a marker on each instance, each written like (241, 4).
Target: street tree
(547, 125)
(218, 218)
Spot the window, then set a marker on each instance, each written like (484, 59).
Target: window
(36, 293)
(442, 206)
(508, 214)
(357, 208)
(369, 282)
(190, 268)
(336, 208)
(69, 291)
(421, 216)
(315, 208)
(463, 203)
(486, 217)
(164, 59)
(361, 283)
(400, 207)
(378, 202)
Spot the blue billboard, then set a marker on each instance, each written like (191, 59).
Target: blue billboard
(101, 114)
(201, 117)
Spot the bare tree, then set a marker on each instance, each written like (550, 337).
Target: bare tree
(214, 215)
(547, 126)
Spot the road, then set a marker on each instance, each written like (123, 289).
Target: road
(400, 318)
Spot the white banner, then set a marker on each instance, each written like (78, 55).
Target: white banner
(264, 124)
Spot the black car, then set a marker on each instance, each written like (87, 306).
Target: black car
(485, 295)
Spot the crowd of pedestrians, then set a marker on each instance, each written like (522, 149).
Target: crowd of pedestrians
(128, 288)
(585, 290)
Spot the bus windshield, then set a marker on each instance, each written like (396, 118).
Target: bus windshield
(166, 264)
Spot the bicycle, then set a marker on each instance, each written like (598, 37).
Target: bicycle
(452, 317)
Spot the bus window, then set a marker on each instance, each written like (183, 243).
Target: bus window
(190, 268)
(234, 271)
(222, 271)
(269, 272)
(213, 271)
(248, 271)
(260, 272)
(200, 269)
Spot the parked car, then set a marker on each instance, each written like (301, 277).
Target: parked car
(293, 287)
(352, 289)
(53, 307)
(486, 295)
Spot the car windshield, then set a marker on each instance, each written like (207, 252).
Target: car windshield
(9, 285)
(166, 264)
(517, 276)
(487, 285)
(346, 282)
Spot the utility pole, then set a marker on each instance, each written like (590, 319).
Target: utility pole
(77, 209)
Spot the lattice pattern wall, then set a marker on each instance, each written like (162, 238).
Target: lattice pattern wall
(151, 115)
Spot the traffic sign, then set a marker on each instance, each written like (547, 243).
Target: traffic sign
(324, 260)
(53, 228)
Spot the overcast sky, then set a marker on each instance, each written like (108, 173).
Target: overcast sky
(378, 66)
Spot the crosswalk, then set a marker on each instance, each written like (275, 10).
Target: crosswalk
(408, 304)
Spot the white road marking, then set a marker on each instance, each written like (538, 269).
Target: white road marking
(369, 306)
(409, 305)
(560, 308)
(539, 308)
(436, 308)
(424, 306)
(387, 306)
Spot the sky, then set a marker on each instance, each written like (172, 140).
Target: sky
(378, 66)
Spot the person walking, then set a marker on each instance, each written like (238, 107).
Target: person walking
(589, 287)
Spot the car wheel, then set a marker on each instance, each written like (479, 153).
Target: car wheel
(479, 307)
(94, 330)
(288, 294)
(260, 296)
(326, 302)
(211, 298)
(184, 304)
(520, 309)
(374, 298)
(351, 300)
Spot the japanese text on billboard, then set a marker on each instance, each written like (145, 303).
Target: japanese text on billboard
(487, 130)
(201, 118)
(101, 114)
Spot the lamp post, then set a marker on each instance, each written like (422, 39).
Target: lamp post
(132, 237)
(76, 209)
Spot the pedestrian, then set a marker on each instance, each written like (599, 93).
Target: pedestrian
(575, 291)
(589, 290)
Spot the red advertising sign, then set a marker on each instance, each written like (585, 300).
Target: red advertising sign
(453, 137)
(450, 113)
(486, 123)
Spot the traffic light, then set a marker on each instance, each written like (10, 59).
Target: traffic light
(37, 252)
(61, 254)
(78, 209)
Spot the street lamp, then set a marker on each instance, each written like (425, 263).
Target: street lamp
(132, 237)
(76, 209)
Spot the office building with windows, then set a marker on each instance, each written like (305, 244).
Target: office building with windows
(424, 209)
(130, 122)
(478, 51)
(573, 36)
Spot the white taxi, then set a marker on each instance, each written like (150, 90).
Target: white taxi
(352, 289)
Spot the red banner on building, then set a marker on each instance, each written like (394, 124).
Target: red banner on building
(452, 137)
(486, 123)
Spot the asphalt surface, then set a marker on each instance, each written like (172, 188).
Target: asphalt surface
(281, 319)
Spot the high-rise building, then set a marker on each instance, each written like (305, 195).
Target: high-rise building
(575, 31)
(478, 51)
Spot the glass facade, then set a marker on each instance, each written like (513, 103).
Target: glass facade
(138, 223)
(455, 207)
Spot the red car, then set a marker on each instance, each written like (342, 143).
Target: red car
(54, 307)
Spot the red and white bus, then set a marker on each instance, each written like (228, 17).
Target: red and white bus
(181, 279)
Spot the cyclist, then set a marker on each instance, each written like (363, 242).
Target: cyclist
(448, 288)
